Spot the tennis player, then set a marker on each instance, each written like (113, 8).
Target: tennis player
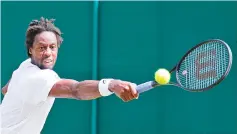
(33, 87)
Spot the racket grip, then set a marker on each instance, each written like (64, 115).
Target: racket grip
(145, 86)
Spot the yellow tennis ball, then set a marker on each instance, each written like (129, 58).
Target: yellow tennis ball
(162, 76)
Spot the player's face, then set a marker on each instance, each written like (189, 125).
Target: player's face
(44, 50)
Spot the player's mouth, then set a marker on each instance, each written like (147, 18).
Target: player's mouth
(47, 61)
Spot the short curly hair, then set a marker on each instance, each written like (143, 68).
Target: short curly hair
(38, 26)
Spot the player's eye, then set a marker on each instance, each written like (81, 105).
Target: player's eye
(53, 46)
(41, 48)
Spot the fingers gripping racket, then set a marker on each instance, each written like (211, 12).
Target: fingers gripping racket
(201, 68)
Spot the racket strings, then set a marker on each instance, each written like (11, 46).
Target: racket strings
(204, 66)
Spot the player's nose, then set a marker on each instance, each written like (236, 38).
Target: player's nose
(48, 52)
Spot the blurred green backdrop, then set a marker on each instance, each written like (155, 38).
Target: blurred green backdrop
(134, 39)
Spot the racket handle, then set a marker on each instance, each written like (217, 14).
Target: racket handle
(146, 86)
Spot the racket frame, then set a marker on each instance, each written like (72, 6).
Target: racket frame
(217, 82)
(152, 84)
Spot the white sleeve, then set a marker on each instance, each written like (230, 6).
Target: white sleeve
(41, 84)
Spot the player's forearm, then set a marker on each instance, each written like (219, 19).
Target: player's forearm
(4, 89)
(84, 90)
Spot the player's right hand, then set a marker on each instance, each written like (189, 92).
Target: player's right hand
(124, 89)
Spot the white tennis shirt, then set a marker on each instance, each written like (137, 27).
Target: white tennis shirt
(26, 104)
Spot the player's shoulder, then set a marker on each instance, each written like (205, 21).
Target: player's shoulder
(46, 73)
(29, 67)
(26, 63)
(32, 71)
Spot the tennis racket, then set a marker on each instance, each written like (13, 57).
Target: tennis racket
(201, 68)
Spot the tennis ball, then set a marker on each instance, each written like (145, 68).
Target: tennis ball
(162, 76)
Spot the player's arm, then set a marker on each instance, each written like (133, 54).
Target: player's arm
(92, 89)
(68, 88)
(4, 89)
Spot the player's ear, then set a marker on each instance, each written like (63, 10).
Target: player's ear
(30, 50)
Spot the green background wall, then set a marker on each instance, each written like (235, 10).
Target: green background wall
(134, 38)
